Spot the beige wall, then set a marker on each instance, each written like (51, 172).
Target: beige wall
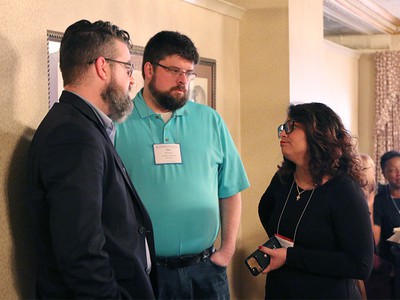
(307, 58)
(366, 119)
(289, 62)
(253, 92)
(23, 79)
(365, 116)
(321, 71)
(264, 69)
(341, 83)
(366, 90)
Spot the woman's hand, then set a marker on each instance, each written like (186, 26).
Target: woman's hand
(277, 258)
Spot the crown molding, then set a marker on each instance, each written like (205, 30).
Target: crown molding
(368, 43)
(341, 15)
(362, 15)
(220, 6)
(341, 49)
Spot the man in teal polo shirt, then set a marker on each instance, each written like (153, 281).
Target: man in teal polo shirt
(187, 171)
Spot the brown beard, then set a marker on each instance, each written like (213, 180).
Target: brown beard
(119, 103)
(165, 99)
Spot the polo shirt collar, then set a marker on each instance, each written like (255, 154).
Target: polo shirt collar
(145, 111)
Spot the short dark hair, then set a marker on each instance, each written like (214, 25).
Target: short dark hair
(83, 42)
(387, 156)
(331, 147)
(166, 43)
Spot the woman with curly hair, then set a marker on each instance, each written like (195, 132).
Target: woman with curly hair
(316, 208)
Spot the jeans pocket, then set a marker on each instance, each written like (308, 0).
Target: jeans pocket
(218, 267)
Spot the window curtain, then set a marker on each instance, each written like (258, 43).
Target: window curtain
(387, 106)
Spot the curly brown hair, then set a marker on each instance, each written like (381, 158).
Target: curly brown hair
(330, 145)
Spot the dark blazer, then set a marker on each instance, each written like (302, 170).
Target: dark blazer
(88, 221)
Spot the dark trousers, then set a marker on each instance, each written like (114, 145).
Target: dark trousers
(396, 254)
(204, 280)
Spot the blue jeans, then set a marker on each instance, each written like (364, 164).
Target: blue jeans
(205, 280)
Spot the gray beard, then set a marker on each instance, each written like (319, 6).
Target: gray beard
(120, 104)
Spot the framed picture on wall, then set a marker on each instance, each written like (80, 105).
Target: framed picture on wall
(137, 59)
(202, 88)
(54, 78)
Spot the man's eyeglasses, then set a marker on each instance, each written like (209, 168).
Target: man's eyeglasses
(288, 127)
(176, 72)
(129, 66)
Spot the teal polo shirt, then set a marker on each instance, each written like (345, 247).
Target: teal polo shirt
(181, 198)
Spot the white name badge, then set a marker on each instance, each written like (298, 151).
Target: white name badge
(284, 241)
(167, 154)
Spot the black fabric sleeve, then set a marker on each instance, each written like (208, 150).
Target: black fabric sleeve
(378, 210)
(267, 203)
(351, 225)
(74, 184)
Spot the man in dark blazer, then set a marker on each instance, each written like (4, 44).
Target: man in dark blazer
(94, 236)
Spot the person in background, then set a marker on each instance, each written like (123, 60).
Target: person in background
(377, 285)
(315, 206)
(387, 211)
(93, 234)
(187, 171)
(368, 169)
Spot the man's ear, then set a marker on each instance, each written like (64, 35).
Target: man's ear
(148, 70)
(102, 68)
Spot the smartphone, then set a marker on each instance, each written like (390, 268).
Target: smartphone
(258, 260)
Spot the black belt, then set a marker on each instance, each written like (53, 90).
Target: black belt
(185, 260)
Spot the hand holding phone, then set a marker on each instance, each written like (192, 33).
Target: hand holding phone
(258, 260)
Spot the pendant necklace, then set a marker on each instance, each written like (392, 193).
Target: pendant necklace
(299, 192)
(302, 213)
(394, 203)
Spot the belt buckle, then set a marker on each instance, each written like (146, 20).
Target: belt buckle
(207, 253)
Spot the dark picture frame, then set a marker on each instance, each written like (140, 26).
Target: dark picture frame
(202, 88)
(54, 78)
(137, 59)
(205, 83)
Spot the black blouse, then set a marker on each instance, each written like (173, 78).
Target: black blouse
(333, 241)
(386, 215)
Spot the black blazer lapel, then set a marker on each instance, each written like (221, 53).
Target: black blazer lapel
(82, 106)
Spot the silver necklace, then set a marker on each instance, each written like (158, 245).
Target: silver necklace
(395, 205)
(301, 216)
(299, 192)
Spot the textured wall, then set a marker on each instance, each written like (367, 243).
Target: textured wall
(23, 92)
(23, 85)
(264, 47)
(252, 96)
(366, 123)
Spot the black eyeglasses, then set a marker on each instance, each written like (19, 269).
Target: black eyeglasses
(129, 66)
(288, 127)
(176, 72)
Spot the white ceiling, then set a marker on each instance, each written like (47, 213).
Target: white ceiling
(347, 17)
(361, 17)
(254, 4)
(392, 6)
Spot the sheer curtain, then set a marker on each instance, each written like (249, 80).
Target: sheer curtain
(387, 106)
